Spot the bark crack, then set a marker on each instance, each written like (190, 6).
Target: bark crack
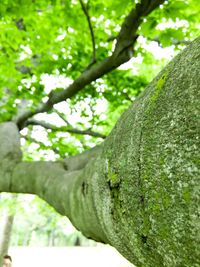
(142, 197)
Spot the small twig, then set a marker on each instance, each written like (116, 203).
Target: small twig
(173, 41)
(93, 61)
(61, 115)
(64, 128)
(33, 140)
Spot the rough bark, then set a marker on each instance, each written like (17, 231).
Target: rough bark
(139, 192)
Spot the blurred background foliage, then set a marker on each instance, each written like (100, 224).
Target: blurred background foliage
(44, 46)
(35, 223)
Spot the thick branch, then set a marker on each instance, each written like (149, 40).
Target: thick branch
(58, 187)
(121, 54)
(80, 161)
(58, 179)
(64, 128)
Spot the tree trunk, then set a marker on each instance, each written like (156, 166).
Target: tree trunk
(5, 236)
(6, 228)
(139, 191)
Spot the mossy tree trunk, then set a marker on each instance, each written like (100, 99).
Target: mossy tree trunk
(139, 190)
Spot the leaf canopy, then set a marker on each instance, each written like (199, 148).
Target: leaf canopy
(46, 45)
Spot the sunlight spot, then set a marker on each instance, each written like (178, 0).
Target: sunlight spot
(71, 30)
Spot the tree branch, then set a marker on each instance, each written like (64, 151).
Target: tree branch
(131, 23)
(93, 61)
(61, 115)
(64, 128)
(122, 53)
(78, 162)
(173, 41)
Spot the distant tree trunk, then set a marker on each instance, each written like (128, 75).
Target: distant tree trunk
(6, 229)
(53, 237)
(6, 235)
(27, 239)
(50, 237)
(77, 242)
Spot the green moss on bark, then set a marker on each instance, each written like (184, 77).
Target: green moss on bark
(154, 150)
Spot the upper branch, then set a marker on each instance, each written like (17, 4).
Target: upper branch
(64, 128)
(91, 32)
(131, 23)
(125, 41)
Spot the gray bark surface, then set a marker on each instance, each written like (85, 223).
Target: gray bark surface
(140, 191)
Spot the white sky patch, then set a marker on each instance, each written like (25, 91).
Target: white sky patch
(101, 88)
(24, 131)
(63, 107)
(48, 155)
(28, 82)
(157, 51)
(53, 119)
(40, 135)
(71, 30)
(26, 52)
(102, 117)
(132, 64)
(113, 47)
(52, 81)
(101, 106)
(170, 24)
(61, 36)
(75, 116)
(22, 141)
(55, 57)
(107, 23)
(152, 47)
(100, 18)
(69, 228)
(32, 147)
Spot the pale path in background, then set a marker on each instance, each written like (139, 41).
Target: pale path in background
(100, 256)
